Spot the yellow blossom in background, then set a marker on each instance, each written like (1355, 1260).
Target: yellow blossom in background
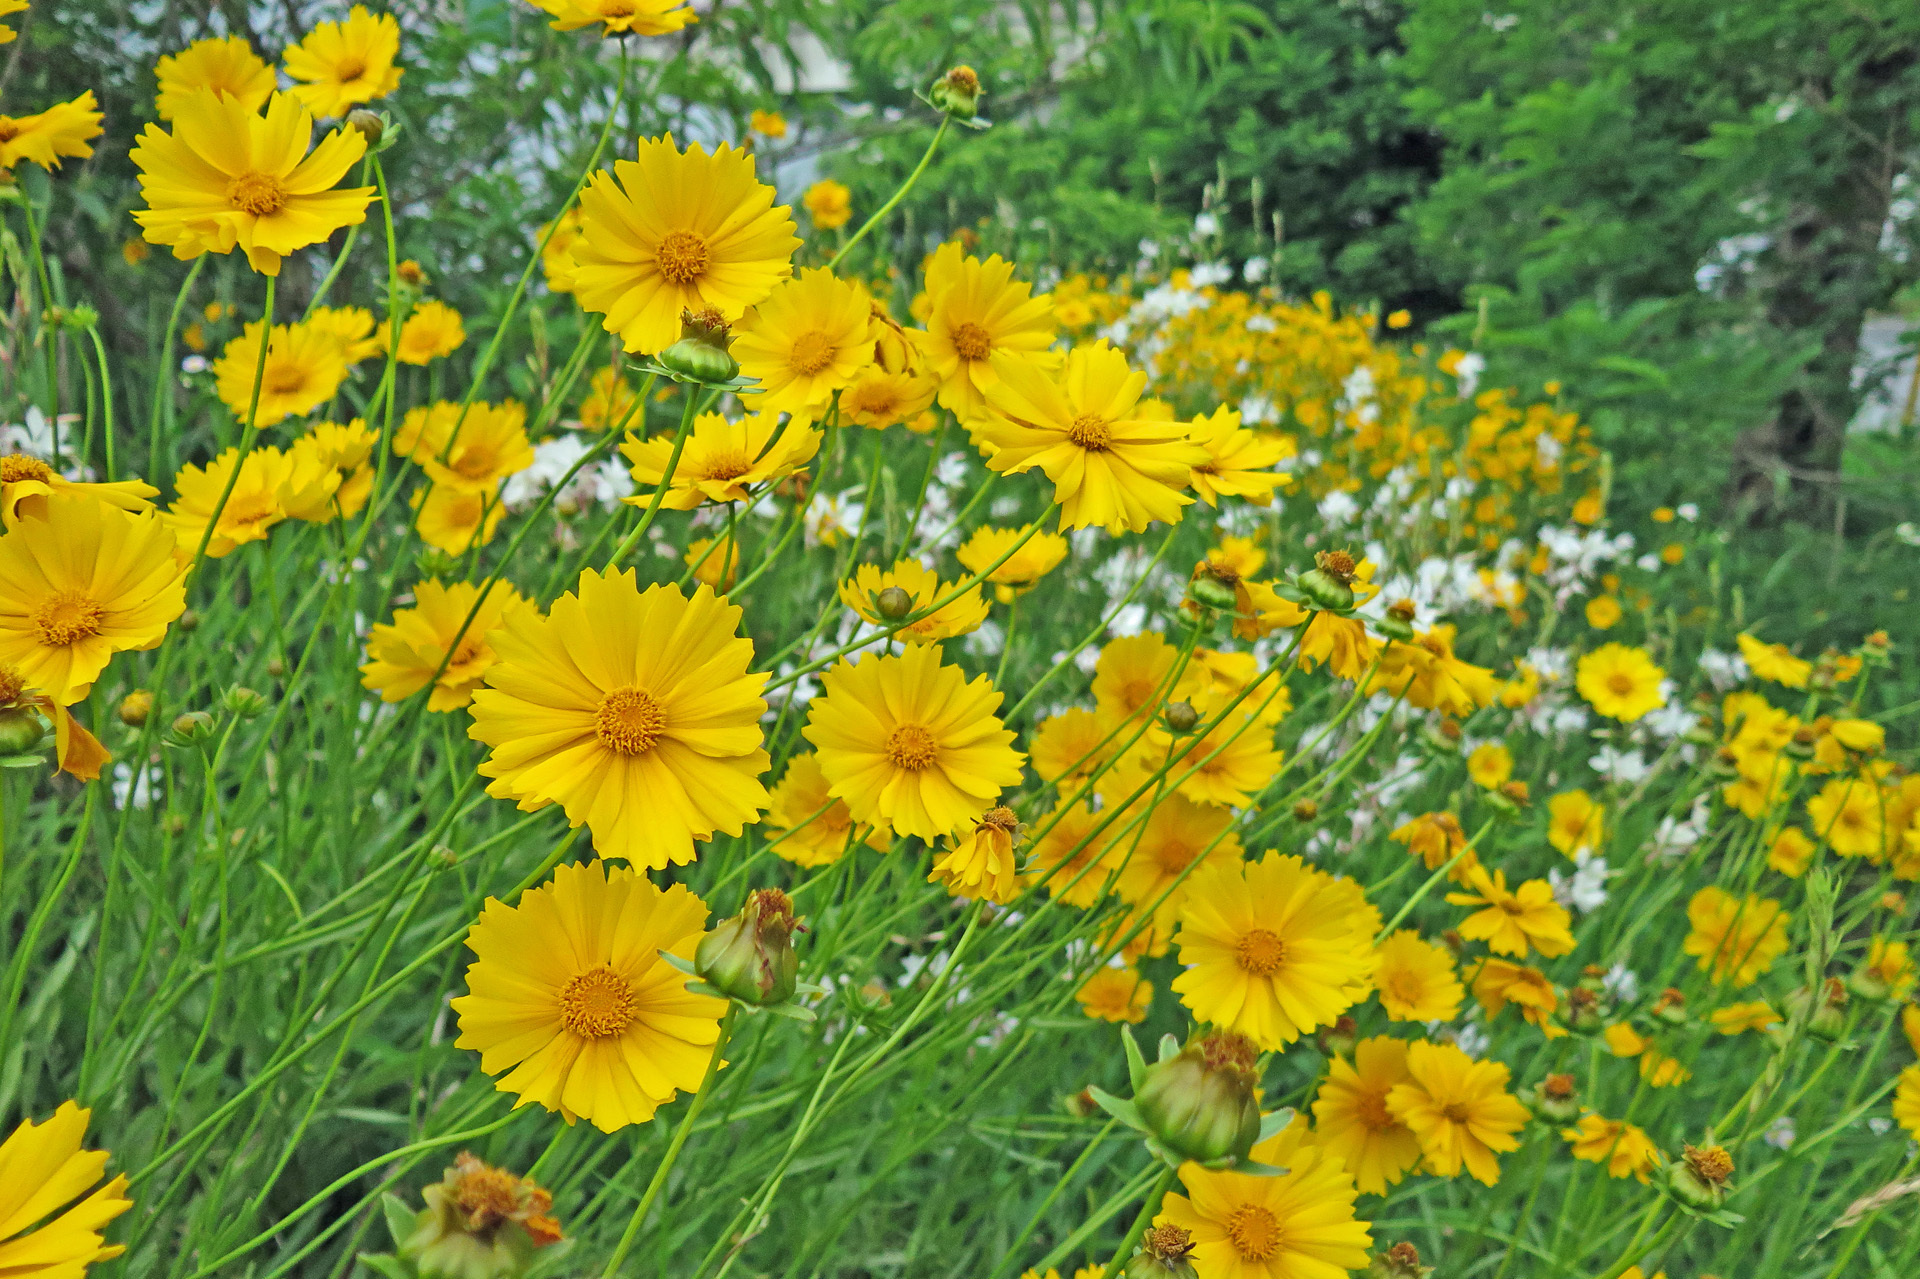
(1039, 555)
(226, 66)
(134, 251)
(1624, 1148)
(1428, 675)
(1110, 469)
(981, 863)
(1228, 764)
(64, 130)
(344, 452)
(619, 17)
(1848, 815)
(1498, 983)
(557, 239)
(1416, 980)
(251, 510)
(43, 1170)
(342, 64)
(1436, 839)
(1239, 462)
(1792, 852)
(417, 647)
(716, 566)
(1738, 1018)
(829, 204)
(923, 588)
(809, 338)
(768, 124)
(77, 585)
(570, 1005)
(7, 9)
(1773, 662)
(1603, 612)
(1736, 939)
(1575, 823)
(1131, 677)
(1116, 994)
(452, 520)
(1512, 921)
(1071, 856)
(1399, 319)
(1889, 966)
(1622, 1040)
(609, 400)
(471, 456)
(225, 178)
(720, 459)
(26, 483)
(673, 231)
(1620, 682)
(1156, 862)
(1351, 1118)
(896, 386)
(1490, 765)
(975, 310)
(433, 330)
(1661, 1070)
(1066, 746)
(1459, 1109)
(634, 711)
(304, 369)
(351, 327)
(806, 824)
(910, 743)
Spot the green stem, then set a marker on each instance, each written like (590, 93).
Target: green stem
(1151, 1205)
(899, 195)
(247, 435)
(157, 465)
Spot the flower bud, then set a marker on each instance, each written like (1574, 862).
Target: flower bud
(243, 702)
(958, 93)
(480, 1222)
(701, 355)
(1181, 717)
(750, 956)
(276, 666)
(135, 707)
(20, 730)
(1200, 1104)
(1670, 1006)
(1080, 1105)
(1211, 588)
(1554, 1099)
(1828, 1018)
(1305, 810)
(893, 603)
(192, 727)
(369, 124)
(1339, 1038)
(1166, 1252)
(1402, 1261)
(1701, 1177)
(1398, 623)
(1586, 1009)
(189, 621)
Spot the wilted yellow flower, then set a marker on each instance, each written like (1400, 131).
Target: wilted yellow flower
(342, 64)
(226, 66)
(981, 863)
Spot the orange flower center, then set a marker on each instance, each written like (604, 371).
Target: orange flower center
(488, 1195)
(682, 257)
(250, 509)
(730, 465)
(972, 341)
(350, 69)
(1261, 952)
(1254, 1232)
(812, 352)
(911, 747)
(284, 378)
(875, 399)
(1620, 683)
(66, 617)
(12, 684)
(1406, 987)
(628, 721)
(18, 466)
(1371, 1106)
(1456, 1112)
(1091, 432)
(596, 1003)
(257, 193)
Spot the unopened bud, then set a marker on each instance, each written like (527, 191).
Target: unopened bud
(1080, 1105)
(1670, 1006)
(243, 702)
(189, 621)
(1305, 810)
(703, 352)
(958, 93)
(1402, 1261)
(1212, 588)
(192, 727)
(21, 729)
(1398, 622)
(1554, 1099)
(276, 667)
(1200, 1103)
(369, 124)
(135, 707)
(750, 956)
(893, 603)
(1181, 717)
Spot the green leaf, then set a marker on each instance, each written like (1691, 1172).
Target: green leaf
(1136, 1064)
(400, 1218)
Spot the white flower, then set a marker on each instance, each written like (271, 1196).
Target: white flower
(1130, 620)
(1253, 272)
(1622, 766)
(1667, 722)
(1211, 273)
(1780, 1133)
(140, 791)
(1687, 511)
(1256, 409)
(1468, 372)
(834, 517)
(1586, 889)
(1620, 984)
(1338, 508)
(1205, 226)
(1674, 836)
(194, 364)
(1006, 506)
(1723, 670)
(34, 436)
(985, 640)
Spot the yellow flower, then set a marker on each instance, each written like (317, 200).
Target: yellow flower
(1622, 1040)
(453, 521)
(975, 310)
(1436, 839)
(717, 567)
(609, 400)
(62, 130)
(1130, 676)
(1511, 921)
(1351, 1117)
(923, 588)
(556, 254)
(1429, 676)
(227, 178)
(720, 459)
(407, 651)
(618, 17)
(571, 1005)
(1070, 856)
(1792, 852)
(342, 64)
(1625, 1149)
(1620, 682)
(910, 743)
(1109, 468)
(1889, 964)
(1734, 1019)
(1490, 765)
(350, 326)
(1229, 764)
(1271, 949)
(1773, 663)
(253, 508)
(1735, 939)
(43, 1169)
(1157, 860)
(1662, 1071)
(1498, 982)
(674, 231)
(1603, 612)
(1575, 823)
(1459, 1110)
(1116, 994)
(1299, 1225)
(1038, 556)
(1416, 979)
(338, 457)
(470, 457)
(1906, 1102)
(432, 331)
(634, 711)
(806, 824)
(829, 204)
(768, 124)
(9, 7)
(1848, 815)
(808, 339)
(26, 483)
(81, 583)
(1239, 462)
(981, 863)
(305, 367)
(226, 66)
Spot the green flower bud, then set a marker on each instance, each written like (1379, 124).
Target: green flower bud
(893, 603)
(135, 707)
(192, 728)
(1402, 1261)
(243, 702)
(1200, 1104)
(1181, 717)
(21, 729)
(750, 956)
(1554, 1099)
(1329, 583)
(1166, 1252)
(958, 93)
(1670, 1006)
(369, 124)
(701, 355)
(1211, 589)
(1398, 622)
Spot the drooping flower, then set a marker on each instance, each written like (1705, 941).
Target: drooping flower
(634, 711)
(1428, 675)
(806, 824)
(432, 331)
(866, 593)
(1620, 682)
(673, 231)
(81, 583)
(1512, 920)
(829, 204)
(975, 310)
(1736, 939)
(1351, 1117)
(1459, 1109)
(473, 456)
(895, 387)
(42, 1170)
(809, 338)
(1624, 1148)
(304, 369)
(1416, 979)
(226, 66)
(64, 130)
(619, 17)
(1773, 662)
(910, 743)
(981, 863)
(407, 652)
(1039, 555)
(720, 459)
(1239, 461)
(27, 482)
(342, 64)
(571, 1005)
(226, 178)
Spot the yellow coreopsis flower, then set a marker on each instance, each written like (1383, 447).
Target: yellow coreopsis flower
(556, 252)
(1510, 921)
(808, 339)
(1906, 1102)
(1239, 461)
(674, 231)
(26, 483)
(1429, 676)
(619, 17)
(433, 330)
(1271, 950)
(351, 327)
(720, 459)
(1889, 967)
(226, 66)
(1849, 815)
(340, 455)
(1792, 852)
(43, 1170)
(1773, 662)
(254, 506)
(609, 400)
(895, 387)
(473, 456)
(1039, 555)
(226, 178)
(1110, 468)
(977, 310)
(1416, 979)
(1132, 676)
(1738, 1018)
(1436, 839)
(570, 1004)
(63, 130)
(1351, 1117)
(1498, 983)
(1620, 682)
(910, 743)
(1067, 746)
(1156, 860)
(1459, 1110)
(1229, 764)
(768, 124)
(981, 863)
(1624, 1148)
(829, 204)
(1490, 765)
(8, 8)
(1070, 858)
(342, 64)
(79, 584)
(417, 646)
(634, 711)
(923, 588)
(806, 824)
(1576, 823)
(452, 520)
(716, 565)
(1116, 994)
(1603, 612)
(304, 369)
(1736, 939)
